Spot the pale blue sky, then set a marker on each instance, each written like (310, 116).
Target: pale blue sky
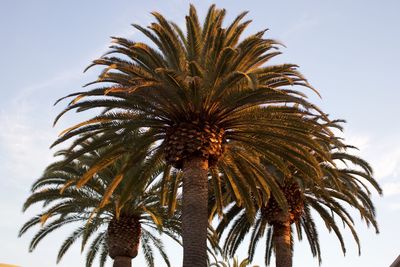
(349, 50)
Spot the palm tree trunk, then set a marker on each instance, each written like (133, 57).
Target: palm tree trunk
(122, 261)
(123, 237)
(283, 244)
(194, 212)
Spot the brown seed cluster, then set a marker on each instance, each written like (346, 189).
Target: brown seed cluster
(295, 199)
(123, 235)
(186, 140)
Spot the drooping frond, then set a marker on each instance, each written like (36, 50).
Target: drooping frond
(209, 81)
(79, 205)
(328, 195)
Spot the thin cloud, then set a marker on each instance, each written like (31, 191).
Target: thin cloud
(26, 126)
(394, 206)
(304, 23)
(23, 143)
(391, 189)
(382, 153)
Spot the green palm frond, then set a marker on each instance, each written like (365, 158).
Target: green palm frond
(328, 195)
(208, 73)
(81, 205)
(206, 92)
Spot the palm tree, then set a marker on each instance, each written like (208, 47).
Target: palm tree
(339, 186)
(116, 232)
(194, 96)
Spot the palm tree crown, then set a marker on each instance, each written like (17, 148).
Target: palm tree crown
(197, 94)
(338, 187)
(116, 232)
(198, 98)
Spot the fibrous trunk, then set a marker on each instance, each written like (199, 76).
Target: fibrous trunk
(193, 146)
(282, 219)
(123, 235)
(121, 261)
(194, 212)
(282, 244)
(273, 213)
(193, 139)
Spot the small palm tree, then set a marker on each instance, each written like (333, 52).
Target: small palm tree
(339, 186)
(195, 95)
(116, 232)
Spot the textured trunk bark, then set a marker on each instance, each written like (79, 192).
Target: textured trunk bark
(194, 212)
(122, 261)
(282, 244)
(123, 237)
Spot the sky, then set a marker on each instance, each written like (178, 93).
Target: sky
(348, 50)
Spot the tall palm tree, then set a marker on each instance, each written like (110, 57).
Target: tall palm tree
(194, 95)
(345, 184)
(116, 232)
